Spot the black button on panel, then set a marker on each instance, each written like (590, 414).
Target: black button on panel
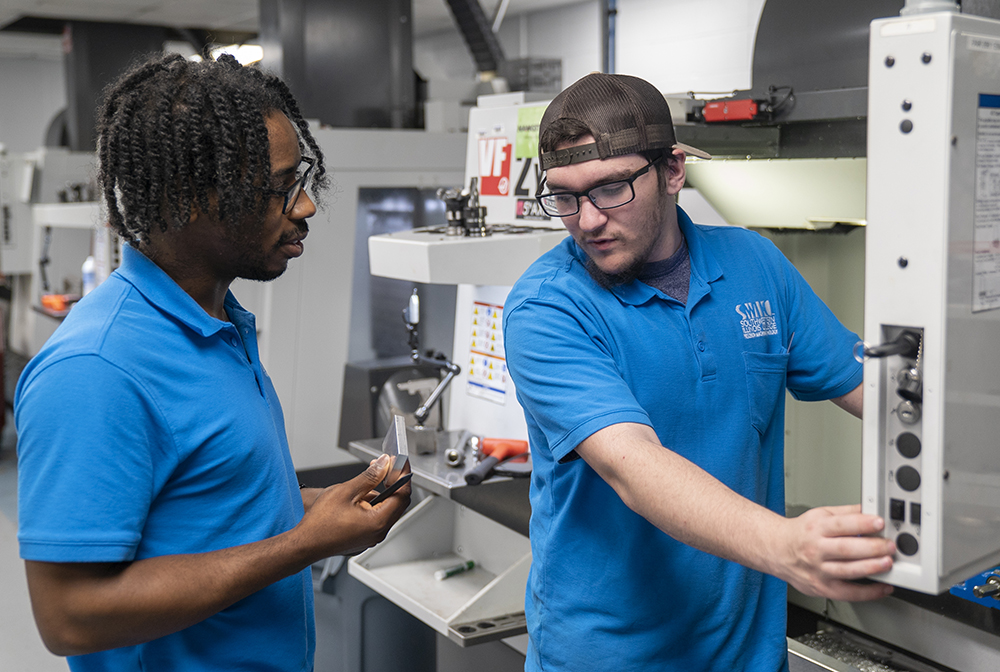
(897, 510)
(906, 126)
(908, 478)
(908, 444)
(907, 544)
(915, 513)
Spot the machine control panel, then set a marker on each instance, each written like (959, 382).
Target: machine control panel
(901, 437)
(932, 295)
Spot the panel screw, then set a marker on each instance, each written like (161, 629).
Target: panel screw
(926, 58)
(903, 262)
(889, 61)
(946, 474)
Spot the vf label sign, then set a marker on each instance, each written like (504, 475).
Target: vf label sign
(494, 166)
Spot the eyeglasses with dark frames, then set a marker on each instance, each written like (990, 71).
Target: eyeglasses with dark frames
(603, 196)
(291, 195)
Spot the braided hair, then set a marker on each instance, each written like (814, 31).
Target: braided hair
(172, 132)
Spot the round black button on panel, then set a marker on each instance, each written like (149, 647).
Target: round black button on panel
(908, 478)
(908, 445)
(906, 126)
(907, 544)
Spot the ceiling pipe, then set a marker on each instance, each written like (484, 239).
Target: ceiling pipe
(499, 15)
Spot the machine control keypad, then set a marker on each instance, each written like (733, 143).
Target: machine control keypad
(902, 440)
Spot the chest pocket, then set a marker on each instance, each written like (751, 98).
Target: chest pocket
(766, 373)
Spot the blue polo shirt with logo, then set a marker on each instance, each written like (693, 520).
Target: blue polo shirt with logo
(147, 428)
(607, 589)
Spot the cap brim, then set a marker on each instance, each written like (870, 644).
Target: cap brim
(692, 151)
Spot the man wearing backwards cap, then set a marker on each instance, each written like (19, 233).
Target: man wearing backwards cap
(658, 351)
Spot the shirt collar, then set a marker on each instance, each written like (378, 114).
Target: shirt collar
(160, 290)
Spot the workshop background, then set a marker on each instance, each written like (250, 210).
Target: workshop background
(391, 85)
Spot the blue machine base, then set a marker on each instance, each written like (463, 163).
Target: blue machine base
(964, 589)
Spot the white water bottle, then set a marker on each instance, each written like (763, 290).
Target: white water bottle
(89, 279)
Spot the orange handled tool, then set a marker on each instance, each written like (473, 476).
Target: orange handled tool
(496, 451)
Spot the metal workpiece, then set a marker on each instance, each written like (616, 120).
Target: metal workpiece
(430, 471)
(500, 498)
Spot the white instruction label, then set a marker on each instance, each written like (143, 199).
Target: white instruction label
(986, 237)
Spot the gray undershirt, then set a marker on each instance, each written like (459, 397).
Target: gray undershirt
(671, 276)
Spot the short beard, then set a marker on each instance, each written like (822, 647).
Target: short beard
(610, 280)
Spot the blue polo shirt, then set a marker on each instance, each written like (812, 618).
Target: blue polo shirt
(146, 427)
(608, 590)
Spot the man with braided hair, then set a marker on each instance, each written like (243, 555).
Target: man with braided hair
(160, 519)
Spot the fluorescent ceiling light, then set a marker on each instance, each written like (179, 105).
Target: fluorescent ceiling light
(244, 53)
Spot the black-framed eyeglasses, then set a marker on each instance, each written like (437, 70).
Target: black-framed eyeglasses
(291, 195)
(603, 196)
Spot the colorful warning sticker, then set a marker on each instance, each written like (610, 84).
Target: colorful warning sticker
(487, 365)
(526, 140)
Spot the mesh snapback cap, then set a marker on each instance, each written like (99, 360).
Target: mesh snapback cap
(625, 114)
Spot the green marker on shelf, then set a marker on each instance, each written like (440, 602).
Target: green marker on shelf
(447, 572)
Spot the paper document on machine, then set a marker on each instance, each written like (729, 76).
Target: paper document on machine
(986, 256)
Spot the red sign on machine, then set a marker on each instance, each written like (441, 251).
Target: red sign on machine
(494, 166)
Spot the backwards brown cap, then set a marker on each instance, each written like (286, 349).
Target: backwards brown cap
(625, 114)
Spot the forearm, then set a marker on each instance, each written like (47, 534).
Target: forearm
(86, 607)
(683, 500)
(136, 602)
(819, 552)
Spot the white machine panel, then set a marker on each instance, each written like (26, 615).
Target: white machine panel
(931, 455)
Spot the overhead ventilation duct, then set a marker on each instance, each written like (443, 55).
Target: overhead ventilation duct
(478, 33)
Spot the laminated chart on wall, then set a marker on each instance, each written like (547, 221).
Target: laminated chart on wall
(986, 281)
(487, 365)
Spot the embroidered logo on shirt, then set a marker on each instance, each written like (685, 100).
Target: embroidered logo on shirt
(757, 319)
